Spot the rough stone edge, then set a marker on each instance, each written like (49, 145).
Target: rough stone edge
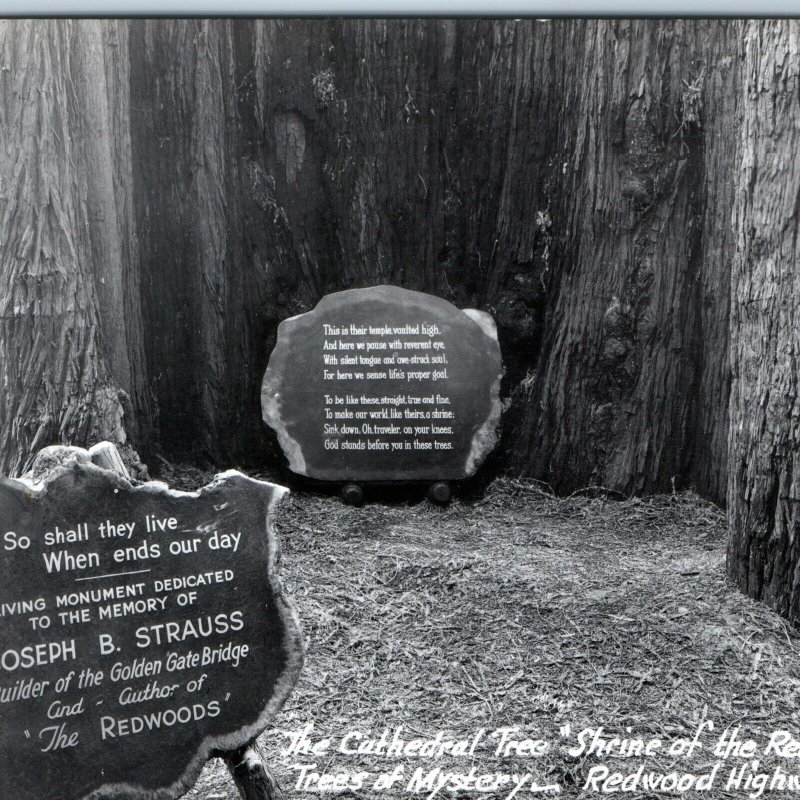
(271, 399)
(295, 645)
(484, 320)
(483, 441)
(485, 438)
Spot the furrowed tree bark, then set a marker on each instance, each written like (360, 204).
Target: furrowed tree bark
(57, 331)
(101, 50)
(764, 488)
(613, 395)
(553, 173)
(721, 94)
(571, 177)
(201, 233)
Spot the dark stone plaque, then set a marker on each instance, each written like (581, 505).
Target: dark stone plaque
(141, 629)
(384, 384)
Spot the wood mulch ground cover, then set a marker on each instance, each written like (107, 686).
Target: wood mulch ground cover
(522, 609)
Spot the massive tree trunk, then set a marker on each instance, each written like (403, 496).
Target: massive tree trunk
(185, 146)
(571, 177)
(67, 246)
(552, 173)
(613, 398)
(721, 118)
(764, 488)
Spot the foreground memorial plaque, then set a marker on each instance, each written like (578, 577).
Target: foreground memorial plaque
(384, 384)
(141, 630)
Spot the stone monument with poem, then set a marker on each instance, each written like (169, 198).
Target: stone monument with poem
(384, 384)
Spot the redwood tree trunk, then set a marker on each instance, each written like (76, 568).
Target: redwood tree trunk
(65, 238)
(613, 397)
(553, 173)
(571, 177)
(764, 488)
(721, 118)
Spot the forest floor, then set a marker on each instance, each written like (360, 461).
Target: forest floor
(523, 610)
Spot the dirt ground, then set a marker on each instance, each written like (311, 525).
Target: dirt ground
(523, 610)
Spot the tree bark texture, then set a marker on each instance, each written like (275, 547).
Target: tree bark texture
(67, 249)
(629, 358)
(572, 177)
(764, 487)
